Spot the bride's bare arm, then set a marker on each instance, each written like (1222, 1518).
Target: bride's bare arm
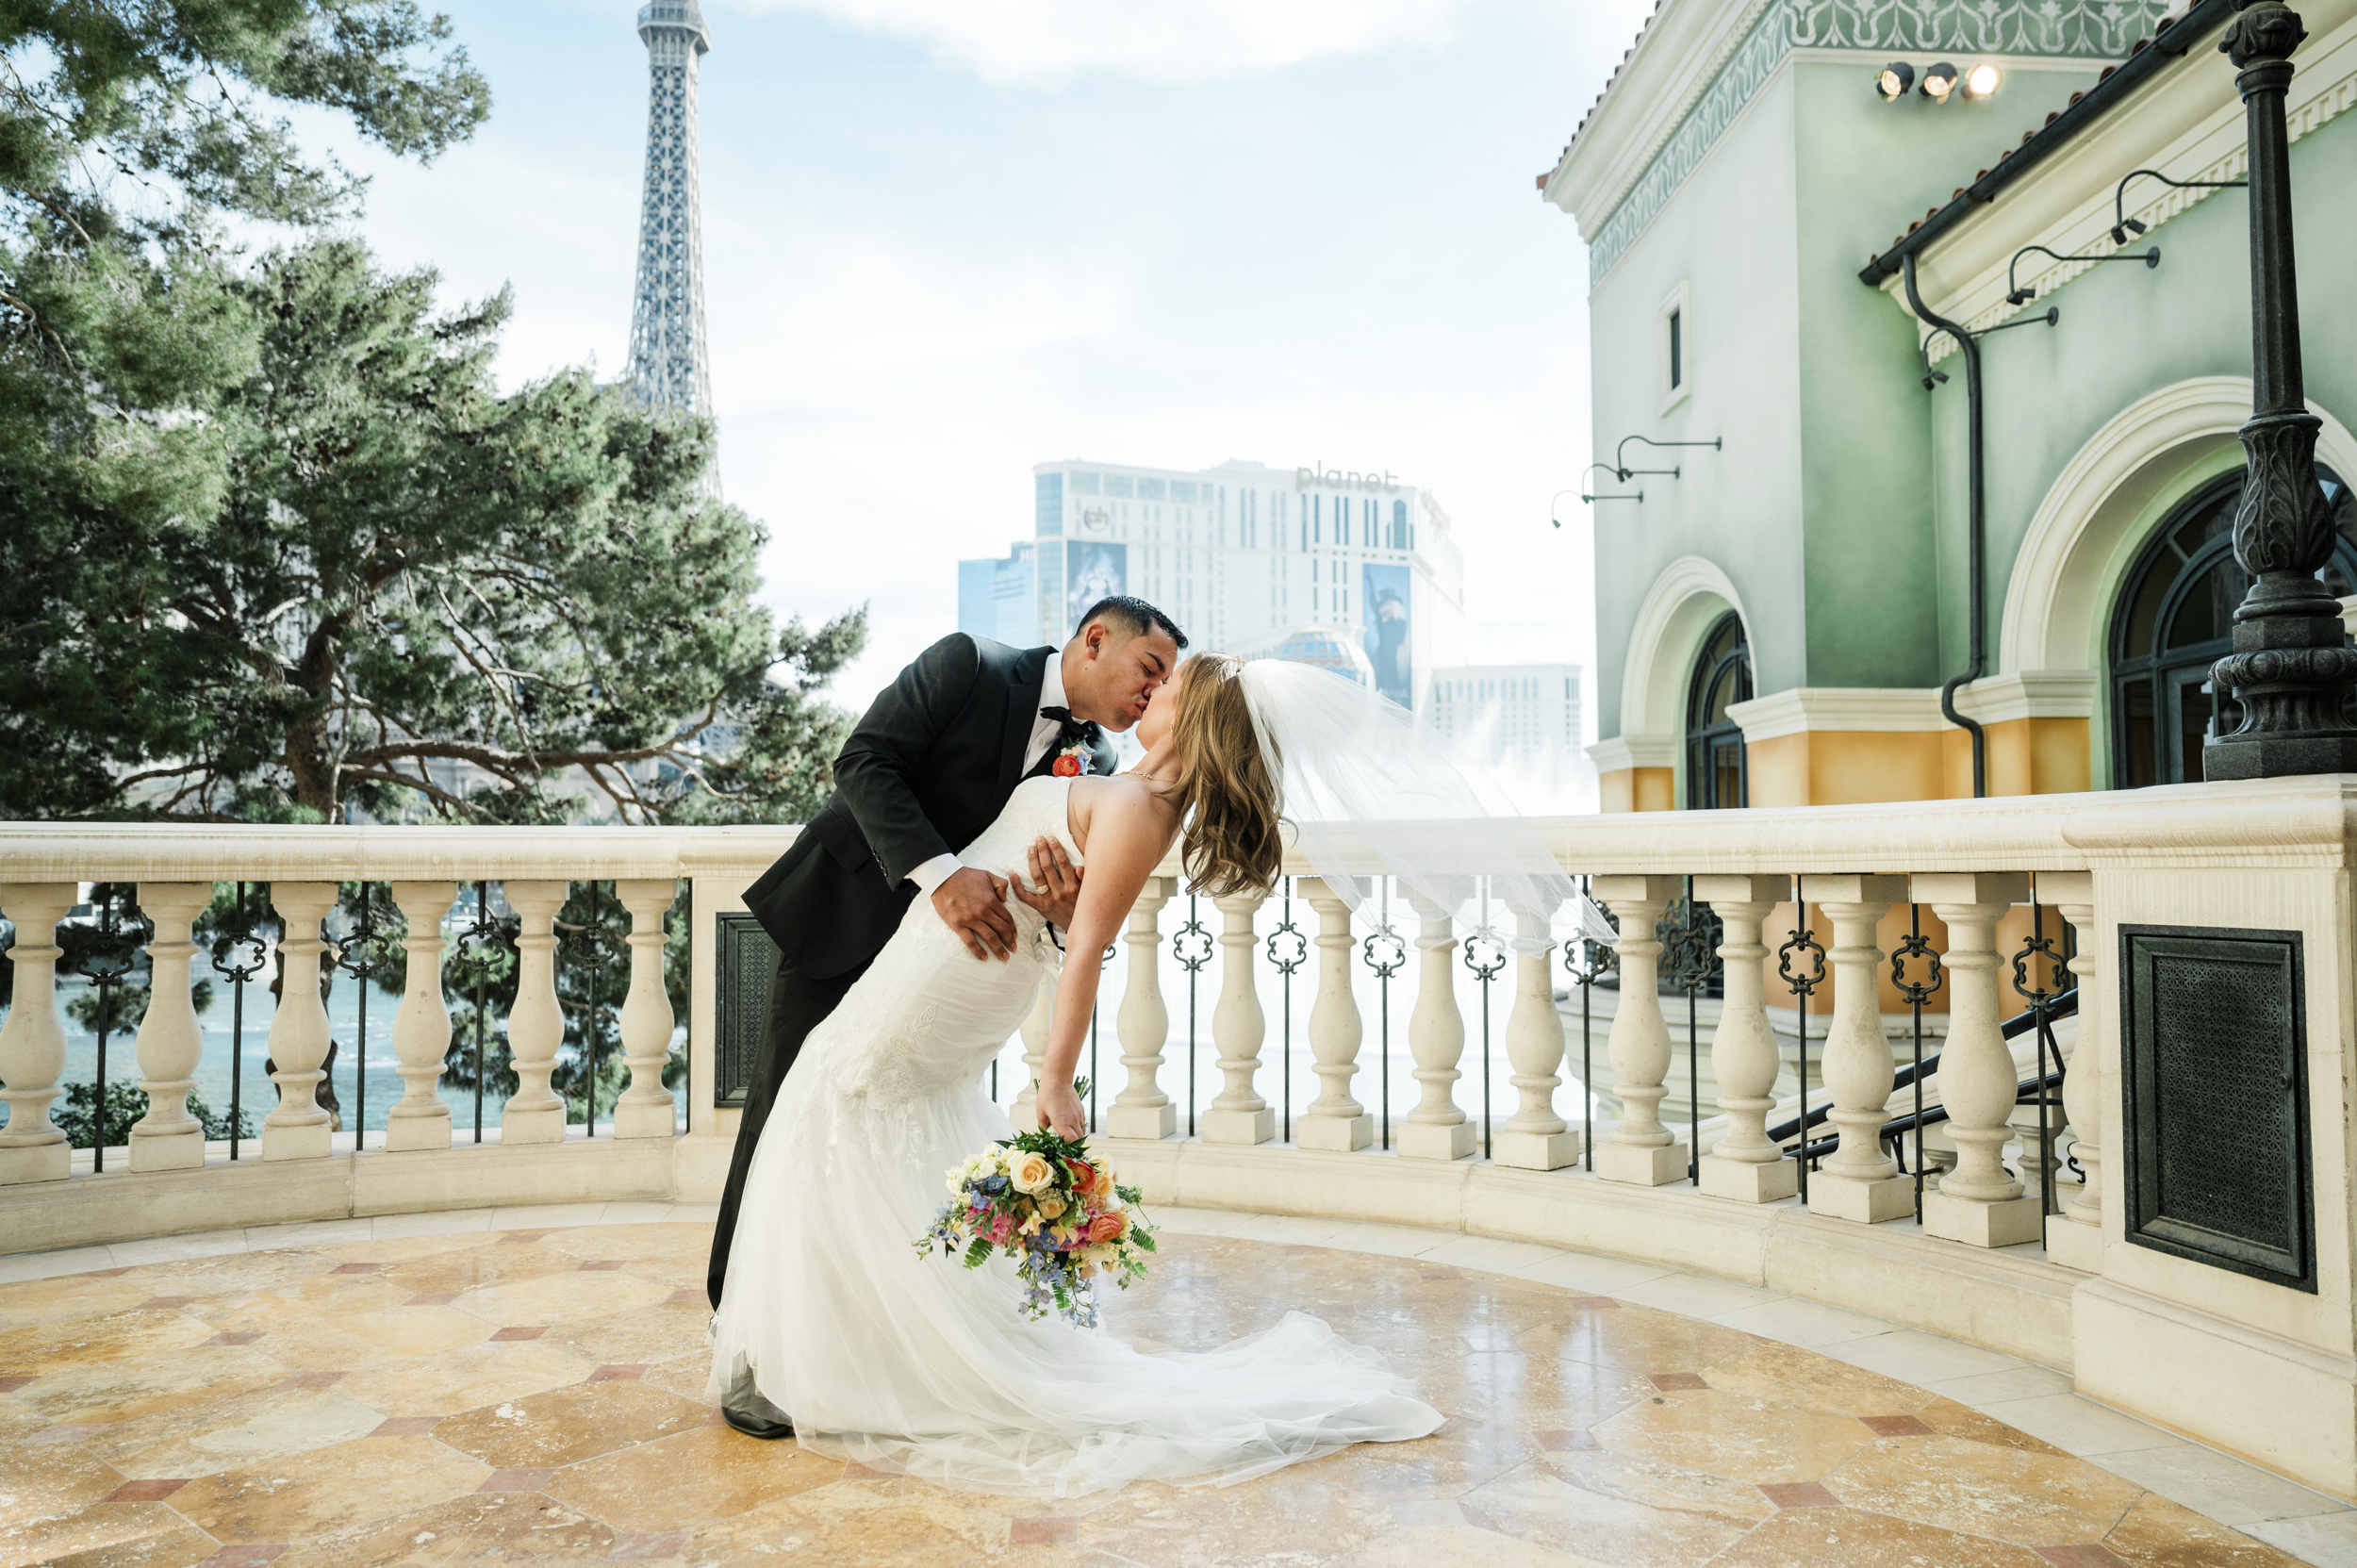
(1128, 835)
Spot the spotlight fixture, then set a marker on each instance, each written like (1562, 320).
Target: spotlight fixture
(1939, 81)
(2019, 293)
(1982, 80)
(2123, 226)
(1893, 80)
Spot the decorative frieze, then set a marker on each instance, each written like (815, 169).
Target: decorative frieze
(2097, 29)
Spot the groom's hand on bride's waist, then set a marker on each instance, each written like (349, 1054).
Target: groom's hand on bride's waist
(1058, 881)
(973, 903)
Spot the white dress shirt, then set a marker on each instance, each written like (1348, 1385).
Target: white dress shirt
(1044, 732)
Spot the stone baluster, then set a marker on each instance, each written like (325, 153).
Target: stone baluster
(534, 1114)
(1534, 1137)
(1979, 1202)
(1437, 1128)
(646, 1108)
(1334, 1119)
(1023, 1110)
(2074, 1238)
(169, 1042)
(300, 1128)
(1642, 1150)
(1745, 1166)
(1142, 1110)
(1858, 1182)
(1239, 1028)
(421, 1118)
(32, 1042)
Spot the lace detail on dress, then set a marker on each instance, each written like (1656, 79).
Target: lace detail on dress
(897, 1070)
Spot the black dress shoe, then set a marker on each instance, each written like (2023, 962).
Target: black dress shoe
(749, 1410)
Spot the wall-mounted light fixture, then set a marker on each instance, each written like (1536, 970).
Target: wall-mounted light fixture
(1938, 82)
(1983, 80)
(2123, 226)
(1585, 497)
(2017, 295)
(1893, 80)
(1620, 455)
(1932, 377)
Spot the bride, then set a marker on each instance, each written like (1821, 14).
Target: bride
(911, 1365)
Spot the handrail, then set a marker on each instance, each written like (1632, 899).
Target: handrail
(2065, 1005)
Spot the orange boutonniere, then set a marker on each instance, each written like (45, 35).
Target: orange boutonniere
(1073, 760)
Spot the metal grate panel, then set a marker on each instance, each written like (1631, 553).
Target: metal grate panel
(745, 960)
(2213, 1043)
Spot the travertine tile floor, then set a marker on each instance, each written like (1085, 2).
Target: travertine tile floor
(527, 1384)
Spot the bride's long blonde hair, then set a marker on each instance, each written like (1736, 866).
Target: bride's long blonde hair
(1224, 788)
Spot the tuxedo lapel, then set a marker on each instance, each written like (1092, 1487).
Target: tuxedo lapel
(1024, 681)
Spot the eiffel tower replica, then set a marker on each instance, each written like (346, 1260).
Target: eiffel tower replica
(667, 363)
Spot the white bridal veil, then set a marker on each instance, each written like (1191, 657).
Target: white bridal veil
(1369, 793)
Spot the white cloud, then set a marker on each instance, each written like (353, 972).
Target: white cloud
(1048, 41)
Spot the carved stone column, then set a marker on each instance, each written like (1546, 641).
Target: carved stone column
(2290, 669)
(1534, 1137)
(171, 1042)
(646, 1108)
(1979, 1202)
(1436, 1128)
(1334, 1119)
(2074, 1238)
(1240, 1116)
(1642, 1150)
(421, 1118)
(1858, 1182)
(534, 1114)
(1143, 1110)
(300, 1128)
(1745, 1166)
(32, 1042)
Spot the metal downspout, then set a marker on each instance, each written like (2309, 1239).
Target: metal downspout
(1977, 547)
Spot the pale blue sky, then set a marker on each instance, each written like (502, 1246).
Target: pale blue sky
(948, 239)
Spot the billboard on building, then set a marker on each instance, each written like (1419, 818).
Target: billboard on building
(1092, 571)
(1384, 610)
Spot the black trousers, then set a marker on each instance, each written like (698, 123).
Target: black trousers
(798, 1004)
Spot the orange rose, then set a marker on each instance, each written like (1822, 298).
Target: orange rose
(1067, 768)
(1109, 1227)
(1083, 1174)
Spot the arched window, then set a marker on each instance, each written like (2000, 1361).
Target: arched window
(2175, 618)
(1715, 771)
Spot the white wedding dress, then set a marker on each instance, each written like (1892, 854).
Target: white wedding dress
(919, 1365)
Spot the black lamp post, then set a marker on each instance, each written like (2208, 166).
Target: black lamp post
(2291, 669)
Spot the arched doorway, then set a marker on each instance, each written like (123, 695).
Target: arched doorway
(2174, 619)
(1715, 771)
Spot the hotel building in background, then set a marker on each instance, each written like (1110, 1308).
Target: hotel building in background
(1356, 573)
(1245, 557)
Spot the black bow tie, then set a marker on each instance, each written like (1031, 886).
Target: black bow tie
(1085, 728)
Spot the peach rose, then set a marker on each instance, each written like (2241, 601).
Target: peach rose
(1050, 1205)
(1103, 1186)
(1109, 1227)
(1032, 1173)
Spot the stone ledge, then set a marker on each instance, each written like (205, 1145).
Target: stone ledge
(132, 1205)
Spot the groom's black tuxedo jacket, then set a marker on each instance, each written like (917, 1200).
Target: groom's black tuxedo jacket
(928, 768)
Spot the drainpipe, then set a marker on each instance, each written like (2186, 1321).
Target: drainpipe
(1976, 523)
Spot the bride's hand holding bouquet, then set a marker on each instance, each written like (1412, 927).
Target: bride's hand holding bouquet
(1039, 1197)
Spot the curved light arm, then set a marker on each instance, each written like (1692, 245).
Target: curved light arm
(2016, 294)
(2123, 227)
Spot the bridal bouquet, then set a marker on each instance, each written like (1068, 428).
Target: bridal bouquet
(1057, 1213)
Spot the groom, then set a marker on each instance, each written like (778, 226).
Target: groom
(928, 768)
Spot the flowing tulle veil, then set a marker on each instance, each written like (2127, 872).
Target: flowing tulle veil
(1368, 792)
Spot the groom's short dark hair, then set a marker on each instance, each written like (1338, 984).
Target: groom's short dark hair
(1135, 615)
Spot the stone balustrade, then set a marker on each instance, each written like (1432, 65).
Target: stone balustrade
(1823, 1207)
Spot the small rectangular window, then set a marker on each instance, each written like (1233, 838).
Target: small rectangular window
(1677, 348)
